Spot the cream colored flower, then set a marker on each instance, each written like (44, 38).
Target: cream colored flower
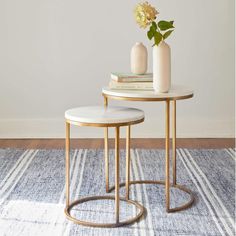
(144, 14)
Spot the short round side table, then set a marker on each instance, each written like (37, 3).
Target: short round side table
(102, 117)
(175, 94)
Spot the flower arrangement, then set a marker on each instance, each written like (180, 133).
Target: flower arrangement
(145, 15)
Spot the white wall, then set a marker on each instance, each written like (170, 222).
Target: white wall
(57, 54)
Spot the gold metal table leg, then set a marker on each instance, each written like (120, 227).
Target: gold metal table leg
(174, 142)
(127, 161)
(106, 151)
(117, 174)
(67, 164)
(167, 180)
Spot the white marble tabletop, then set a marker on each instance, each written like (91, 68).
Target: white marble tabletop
(104, 115)
(176, 92)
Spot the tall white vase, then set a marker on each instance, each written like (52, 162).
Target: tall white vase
(161, 68)
(138, 59)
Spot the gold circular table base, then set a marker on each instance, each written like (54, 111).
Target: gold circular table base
(161, 182)
(103, 225)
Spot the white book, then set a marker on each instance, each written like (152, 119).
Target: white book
(129, 77)
(131, 86)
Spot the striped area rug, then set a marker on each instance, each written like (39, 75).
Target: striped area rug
(32, 192)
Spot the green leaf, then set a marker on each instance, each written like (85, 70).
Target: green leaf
(154, 25)
(165, 25)
(167, 34)
(150, 34)
(157, 38)
(153, 29)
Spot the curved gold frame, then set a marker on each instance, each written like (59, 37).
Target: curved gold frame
(146, 99)
(129, 221)
(119, 124)
(117, 198)
(162, 182)
(166, 182)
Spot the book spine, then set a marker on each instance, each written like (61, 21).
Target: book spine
(131, 76)
(131, 80)
(131, 84)
(135, 86)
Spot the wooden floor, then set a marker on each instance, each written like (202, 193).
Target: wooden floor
(98, 143)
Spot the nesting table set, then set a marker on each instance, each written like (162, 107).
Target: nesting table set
(116, 117)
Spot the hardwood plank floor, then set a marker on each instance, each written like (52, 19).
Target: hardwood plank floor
(98, 143)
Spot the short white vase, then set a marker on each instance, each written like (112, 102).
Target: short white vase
(138, 59)
(161, 68)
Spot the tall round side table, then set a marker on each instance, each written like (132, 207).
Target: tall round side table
(175, 94)
(96, 116)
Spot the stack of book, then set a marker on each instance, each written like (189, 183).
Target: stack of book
(131, 81)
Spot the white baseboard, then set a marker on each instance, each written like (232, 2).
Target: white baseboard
(151, 128)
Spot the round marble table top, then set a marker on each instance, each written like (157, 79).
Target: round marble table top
(111, 115)
(176, 92)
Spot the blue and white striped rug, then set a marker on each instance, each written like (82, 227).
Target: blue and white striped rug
(32, 192)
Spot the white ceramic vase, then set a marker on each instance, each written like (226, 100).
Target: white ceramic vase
(161, 68)
(138, 59)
